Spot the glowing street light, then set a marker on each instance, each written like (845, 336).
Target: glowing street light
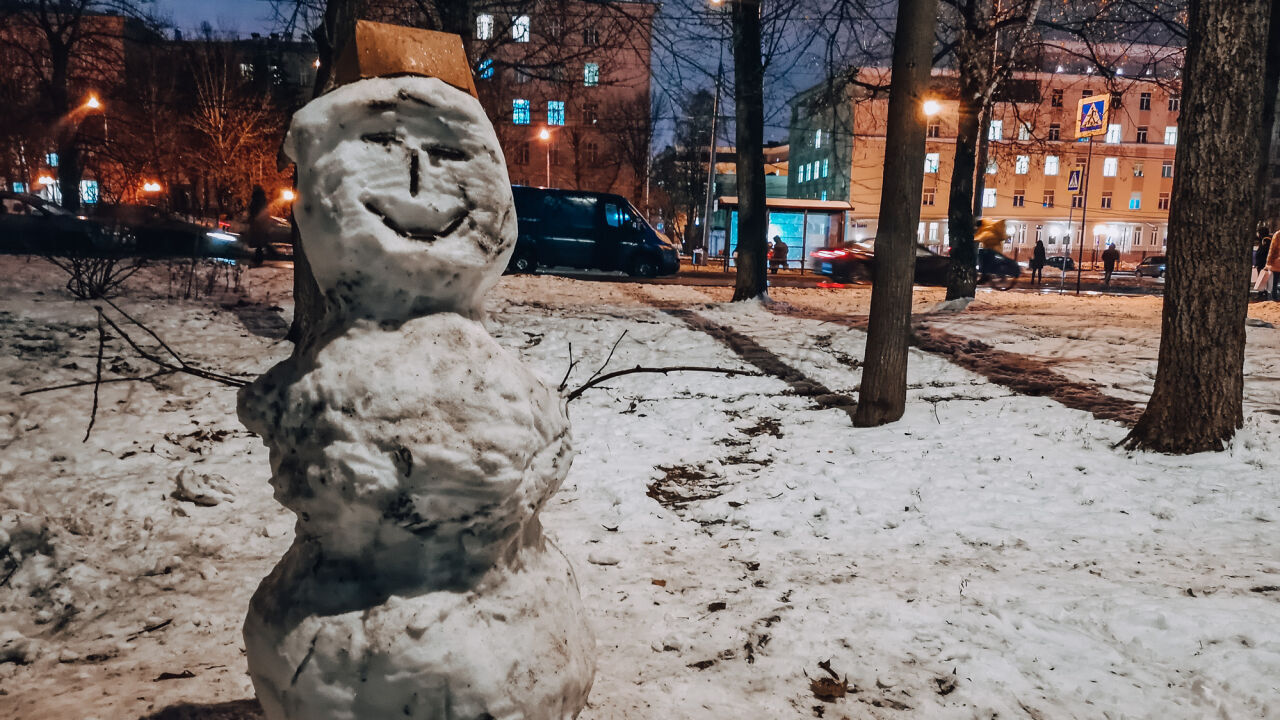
(545, 136)
(287, 195)
(93, 103)
(151, 187)
(932, 107)
(44, 180)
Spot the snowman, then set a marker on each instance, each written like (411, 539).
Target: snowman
(414, 450)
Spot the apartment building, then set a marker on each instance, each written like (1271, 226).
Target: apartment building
(1032, 155)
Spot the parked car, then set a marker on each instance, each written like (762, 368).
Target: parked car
(579, 229)
(164, 234)
(1151, 267)
(29, 224)
(1061, 262)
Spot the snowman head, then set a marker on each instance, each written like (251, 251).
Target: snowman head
(404, 203)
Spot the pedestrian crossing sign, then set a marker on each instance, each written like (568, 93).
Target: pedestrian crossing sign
(1091, 116)
(1073, 182)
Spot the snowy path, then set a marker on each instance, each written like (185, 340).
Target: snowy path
(990, 554)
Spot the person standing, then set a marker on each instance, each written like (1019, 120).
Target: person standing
(778, 259)
(1109, 258)
(1038, 259)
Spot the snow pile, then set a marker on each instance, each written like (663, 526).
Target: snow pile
(415, 451)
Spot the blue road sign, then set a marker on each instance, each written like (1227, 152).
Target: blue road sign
(1091, 116)
(1073, 181)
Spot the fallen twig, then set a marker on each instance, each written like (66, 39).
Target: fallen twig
(598, 379)
(97, 377)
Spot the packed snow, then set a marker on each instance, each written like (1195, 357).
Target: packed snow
(741, 549)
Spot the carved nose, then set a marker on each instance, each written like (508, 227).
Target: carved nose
(415, 172)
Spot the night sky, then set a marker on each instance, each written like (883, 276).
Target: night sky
(239, 17)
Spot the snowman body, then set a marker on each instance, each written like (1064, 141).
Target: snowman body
(415, 451)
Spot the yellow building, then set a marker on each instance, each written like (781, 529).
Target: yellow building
(1033, 152)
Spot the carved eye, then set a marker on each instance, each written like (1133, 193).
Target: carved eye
(444, 152)
(380, 138)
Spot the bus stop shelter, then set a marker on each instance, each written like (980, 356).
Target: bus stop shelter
(804, 225)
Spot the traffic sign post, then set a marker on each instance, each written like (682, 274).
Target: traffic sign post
(1091, 120)
(1073, 182)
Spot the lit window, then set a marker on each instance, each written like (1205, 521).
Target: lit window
(930, 195)
(1022, 165)
(988, 197)
(1171, 135)
(1019, 198)
(824, 167)
(824, 195)
(1106, 201)
(931, 161)
(1166, 169)
(246, 70)
(992, 167)
(817, 138)
(591, 74)
(1110, 166)
(1163, 204)
(520, 111)
(485, 71)
(51, 159)
(1024, 131)
(1048, 198)
(1135, 201)
(555, 112)
(1051, 165)
(997, 130)
(520, 28)
(1113, 134)
(484, 27)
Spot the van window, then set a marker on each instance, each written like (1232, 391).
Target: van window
(574, 215)
(616, 216)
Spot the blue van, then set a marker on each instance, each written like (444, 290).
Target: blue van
(580, 229)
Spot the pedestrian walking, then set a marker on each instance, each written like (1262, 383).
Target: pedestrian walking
(1038, 259)
(1109, 258)
(1273, 264)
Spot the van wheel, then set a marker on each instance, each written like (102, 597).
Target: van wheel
(522, 263)
(643, 266)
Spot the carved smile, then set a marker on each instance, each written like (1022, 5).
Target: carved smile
(419, 234)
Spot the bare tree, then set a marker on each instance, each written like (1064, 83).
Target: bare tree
(1197, 403)
(752, 280)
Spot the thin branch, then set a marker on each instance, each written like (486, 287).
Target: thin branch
(86, 383)
(605, 364)
(148, 330)
(663, 370)
(565, 380)
(97, 377)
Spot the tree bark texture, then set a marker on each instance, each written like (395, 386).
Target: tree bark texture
(748, 81)
(1196, 405)
(883, 395)
(338, 28)
(962, 271)
(1270, 89)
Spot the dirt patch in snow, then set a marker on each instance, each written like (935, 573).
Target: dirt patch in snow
(681, 485)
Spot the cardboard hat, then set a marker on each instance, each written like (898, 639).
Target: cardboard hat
(381, 50)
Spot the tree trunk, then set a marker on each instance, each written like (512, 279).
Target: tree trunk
(748, 82)
(982, 158)
(308, 302)
(962, 271)
(1270, 88)
(1199, 389)
(883, 396)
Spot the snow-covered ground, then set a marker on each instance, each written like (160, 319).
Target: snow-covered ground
(990, 554)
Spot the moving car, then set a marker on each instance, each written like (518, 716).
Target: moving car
(579, 229)
(854, 261)
(1061, 262)
(164, 234)
(1153, 266)
(29, 224)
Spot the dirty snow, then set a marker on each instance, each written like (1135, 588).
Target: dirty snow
(990, 554)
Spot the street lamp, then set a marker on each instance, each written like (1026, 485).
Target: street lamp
(545, 136)
(931, 108)
(287, 195)
(150, 187)
(45, 180)
(92, 103)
